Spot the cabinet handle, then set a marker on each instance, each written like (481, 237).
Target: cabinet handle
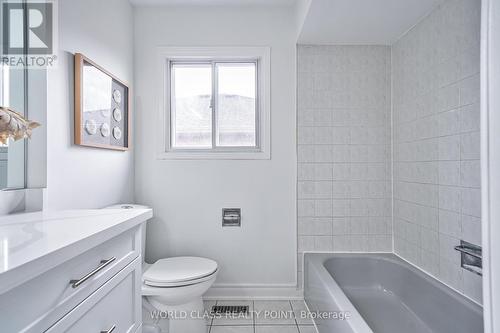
(104, 263)
(110, 330)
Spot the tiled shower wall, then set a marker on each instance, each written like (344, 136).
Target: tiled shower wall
(436, 142)
(344, 151)
(344, 145)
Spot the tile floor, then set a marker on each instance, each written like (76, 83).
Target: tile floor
(264, 317)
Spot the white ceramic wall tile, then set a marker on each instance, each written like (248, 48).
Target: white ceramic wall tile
(449, 173)
(450, 223)
(470, 146)
(450, 198)
(472, 286)
(344, 145)
(449, 147)
(470, 118)
(436, 119)
(471, 229)
(344, 166)
(471, 201)
(470, 173)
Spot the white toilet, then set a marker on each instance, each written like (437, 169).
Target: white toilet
(174, 287)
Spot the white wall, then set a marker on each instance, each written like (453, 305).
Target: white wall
(344, 170)
(188, 195)
(36, 169)
(80, 177)
(437, 199)
(490, 161)
(301, 10)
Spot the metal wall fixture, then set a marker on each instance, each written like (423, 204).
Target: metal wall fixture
(472, 257)
(231, 217)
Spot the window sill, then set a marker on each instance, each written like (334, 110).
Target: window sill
(214, 155)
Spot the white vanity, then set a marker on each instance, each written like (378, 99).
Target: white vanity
(71, 271)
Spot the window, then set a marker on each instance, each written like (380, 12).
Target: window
(215, 104)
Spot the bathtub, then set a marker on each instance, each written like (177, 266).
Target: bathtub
(380, 293)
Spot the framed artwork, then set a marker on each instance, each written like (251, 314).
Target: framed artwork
(102, 107)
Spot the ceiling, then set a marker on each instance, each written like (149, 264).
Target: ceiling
(213, 2)
(374, 22)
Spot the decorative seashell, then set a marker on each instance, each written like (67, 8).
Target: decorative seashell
(117, 114)
(4, 120)
(91, 127)
(105, 130)
(117, 133)
(14, 125)
(117, 96)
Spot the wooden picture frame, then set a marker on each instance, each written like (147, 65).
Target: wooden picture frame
(102, 107)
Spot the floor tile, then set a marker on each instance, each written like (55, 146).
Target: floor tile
(208, 308)
(272, 316)
(234, 320)
(307, 329)
(276, 329)
(273, 312)
(232, 329)
(301, 312)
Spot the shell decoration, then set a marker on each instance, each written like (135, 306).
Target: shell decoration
(13, 125)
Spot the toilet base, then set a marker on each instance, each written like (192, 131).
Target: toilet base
(189, 317)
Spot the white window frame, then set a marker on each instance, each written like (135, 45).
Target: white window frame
(259, 55)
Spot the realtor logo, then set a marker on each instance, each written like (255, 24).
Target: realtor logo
(28, 30)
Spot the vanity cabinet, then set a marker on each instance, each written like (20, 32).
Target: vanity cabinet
(112, 308)
(98, 290)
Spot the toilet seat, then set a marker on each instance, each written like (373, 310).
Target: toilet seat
(179, 271)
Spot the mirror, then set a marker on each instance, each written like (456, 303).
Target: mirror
(13, 154)
(13, 95)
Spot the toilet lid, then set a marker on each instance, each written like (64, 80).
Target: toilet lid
(179, 269)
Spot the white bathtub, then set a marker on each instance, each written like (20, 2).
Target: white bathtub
(383, 294)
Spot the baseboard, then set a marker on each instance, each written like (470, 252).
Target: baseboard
(243, 292)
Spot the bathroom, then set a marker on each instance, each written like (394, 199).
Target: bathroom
(249, 166)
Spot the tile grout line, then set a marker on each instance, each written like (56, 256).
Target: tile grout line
(253, 316)
(294, 316)
(212, 319)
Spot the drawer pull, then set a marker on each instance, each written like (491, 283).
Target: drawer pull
(104, 263)
(110, 330)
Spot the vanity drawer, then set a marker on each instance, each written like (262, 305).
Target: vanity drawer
(116, 304)
(37, 304)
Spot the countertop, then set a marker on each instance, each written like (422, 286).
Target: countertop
(33, 243)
